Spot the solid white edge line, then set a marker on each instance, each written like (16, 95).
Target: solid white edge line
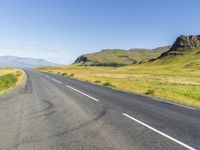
(82, 93)
(159, 132)
(155, 98)
(176, 104)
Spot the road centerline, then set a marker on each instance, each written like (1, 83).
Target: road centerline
(47, 76)
(159, 132)
(56, 81)
(82, 93)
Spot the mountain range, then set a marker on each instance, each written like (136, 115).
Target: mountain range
(120, 57)
(185, 50)
(19, 62)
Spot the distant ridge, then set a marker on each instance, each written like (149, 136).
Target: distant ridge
(120, 57)
(19, 62)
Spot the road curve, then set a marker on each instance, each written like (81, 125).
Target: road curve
(58, 113)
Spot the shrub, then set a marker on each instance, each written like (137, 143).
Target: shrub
(150, 92)
(97, 81)
(108, 84)
(58, 73)
(18, 73)
(71, 75)
(64, 74)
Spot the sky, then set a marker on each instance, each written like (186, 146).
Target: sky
(62, 30)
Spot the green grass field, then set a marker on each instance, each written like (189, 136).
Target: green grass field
(7, 81)
(9, 78)
(175, 78)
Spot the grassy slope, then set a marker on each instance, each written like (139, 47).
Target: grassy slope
(122, 57)
(9, 78)
(175, 78)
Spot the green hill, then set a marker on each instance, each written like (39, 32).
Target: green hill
(184, 54)
(119, 57)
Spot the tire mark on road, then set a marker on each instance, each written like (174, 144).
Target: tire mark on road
(98, 117)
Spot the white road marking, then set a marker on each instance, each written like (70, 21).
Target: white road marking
(47, 76)
(159, 132)
(175, 104)
(164, 101)
(56, 81)
(82, 93)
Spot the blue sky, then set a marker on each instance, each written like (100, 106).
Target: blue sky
(61, 30)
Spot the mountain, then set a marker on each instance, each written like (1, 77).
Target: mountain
(182, 44)
(12, 61)
(184, 54)
(120, 57)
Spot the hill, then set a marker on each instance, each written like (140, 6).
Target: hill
(119, 57)
(184, 54)
(182, 45)
(19, 62)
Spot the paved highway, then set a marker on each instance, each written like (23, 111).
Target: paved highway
(57, 113)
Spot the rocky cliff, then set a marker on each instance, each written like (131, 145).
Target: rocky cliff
(182, 44)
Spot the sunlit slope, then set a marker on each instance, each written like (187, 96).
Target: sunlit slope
(188, 62)
(117, 57)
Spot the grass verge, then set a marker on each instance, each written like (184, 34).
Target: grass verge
(9, 78)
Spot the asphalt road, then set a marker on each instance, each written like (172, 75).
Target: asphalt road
(56, 113)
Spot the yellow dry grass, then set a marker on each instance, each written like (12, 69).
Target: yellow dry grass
(181, 87)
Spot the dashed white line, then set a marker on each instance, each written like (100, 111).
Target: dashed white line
(180, 105)
(82, 93)
(56, 81)
(134, 119)
(47, 76)
(159, 132)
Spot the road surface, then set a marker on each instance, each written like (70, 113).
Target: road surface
(58, 113)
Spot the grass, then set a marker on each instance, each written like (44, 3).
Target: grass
(7, 81)
(9, 78)
(176, 78)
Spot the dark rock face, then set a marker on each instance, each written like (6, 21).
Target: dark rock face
(81, 59)
(186, 42)
(183, 43)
